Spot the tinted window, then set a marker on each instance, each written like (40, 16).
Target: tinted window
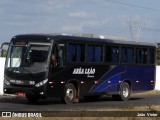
(112, 54)
(61, 57)
(141, 55)
(72, 52)
(127, 55)
(76, 52)
(130, 55)
(123, 55)
(98, 54)
(80, 53)
(90, 53)
(151, 56)
(108, 54)
(115, 54)
(94, 53)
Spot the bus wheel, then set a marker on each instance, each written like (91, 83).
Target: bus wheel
(32, 98)
(124, 93)
(70, 94)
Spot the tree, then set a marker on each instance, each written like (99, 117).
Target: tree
(158, 54)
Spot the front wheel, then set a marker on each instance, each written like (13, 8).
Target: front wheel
(124, 93)
(70, 94)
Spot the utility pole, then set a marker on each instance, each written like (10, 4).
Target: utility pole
(135, 25)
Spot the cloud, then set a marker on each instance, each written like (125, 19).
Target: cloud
(72, 28)
(85, 26)
(71, 16)
(80, 14)
(52, 5)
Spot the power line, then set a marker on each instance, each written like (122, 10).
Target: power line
(133, 5)
(135, 28)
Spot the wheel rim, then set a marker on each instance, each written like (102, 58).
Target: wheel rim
(69, 93)
(125, 92)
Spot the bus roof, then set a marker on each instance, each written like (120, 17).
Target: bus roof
(64, 37)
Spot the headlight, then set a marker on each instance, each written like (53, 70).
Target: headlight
(41, 83)
(6, 82)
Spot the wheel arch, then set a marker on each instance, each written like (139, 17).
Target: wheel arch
(129, 83)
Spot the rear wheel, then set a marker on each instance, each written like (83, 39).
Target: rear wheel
(32, 98)
(70, 94)
(124, 93)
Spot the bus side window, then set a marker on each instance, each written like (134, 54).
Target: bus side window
(54, 59)
(123, 55)
(80, 53)
(90, 53)
(144, 55)
(151, 57)
(138, 56)
(60, 57)
(94, 53)
(141, 55)
(108, 54)
(115, 54)
(76, 52)
(71, 52)
(98, 54)
(130, 55)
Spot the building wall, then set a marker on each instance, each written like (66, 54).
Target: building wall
(2, 62)
(157, 84)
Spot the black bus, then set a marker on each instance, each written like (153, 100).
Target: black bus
(69, 67)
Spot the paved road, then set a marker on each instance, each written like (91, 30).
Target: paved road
(20, 104)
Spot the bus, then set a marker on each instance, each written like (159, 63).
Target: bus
(39, 66)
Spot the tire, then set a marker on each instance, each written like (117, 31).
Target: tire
(69, 94)
(124, 93)
(32, 98)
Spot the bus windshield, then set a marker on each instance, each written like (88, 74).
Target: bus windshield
(32, 58)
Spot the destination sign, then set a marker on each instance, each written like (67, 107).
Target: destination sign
(20, 43)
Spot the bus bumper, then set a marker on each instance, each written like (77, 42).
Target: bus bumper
(40, 91)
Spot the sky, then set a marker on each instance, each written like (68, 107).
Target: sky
(135, 19)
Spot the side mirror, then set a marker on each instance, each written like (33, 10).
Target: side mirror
(4, 48)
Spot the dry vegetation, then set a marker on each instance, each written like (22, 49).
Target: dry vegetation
(152, 92)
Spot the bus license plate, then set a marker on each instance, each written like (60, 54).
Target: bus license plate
(21, 94)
